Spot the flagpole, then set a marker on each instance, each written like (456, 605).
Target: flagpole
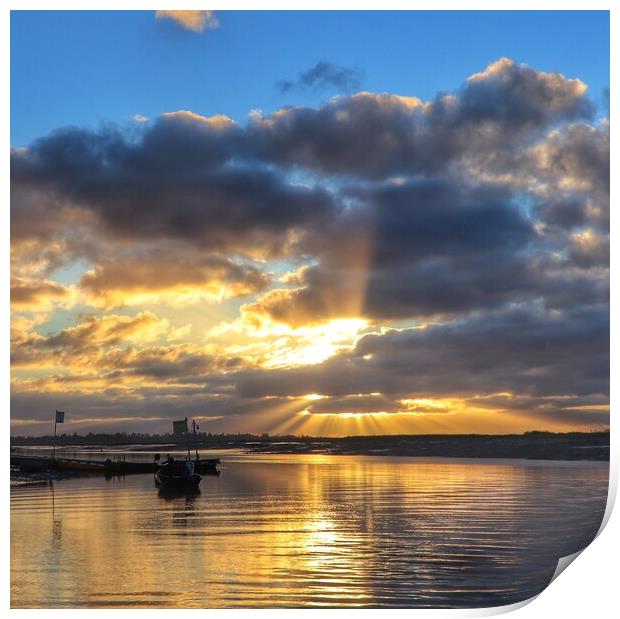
(54, 446)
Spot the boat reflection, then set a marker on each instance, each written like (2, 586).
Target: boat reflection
(171, 493)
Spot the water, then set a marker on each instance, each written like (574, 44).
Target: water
(306, 531)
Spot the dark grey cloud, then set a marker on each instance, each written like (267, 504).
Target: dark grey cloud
(324, 75)
(432, 289)
(517, 96)
(213, 183)
(578, 153)
(366, 134)
(380, 134)
(431, 217)
(173, 183)
(569, 169)
(431, 248)
(588, 250)
(564, 211)
(527, 351)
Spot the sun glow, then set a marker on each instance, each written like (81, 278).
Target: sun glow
(273, 344)
(314, 396)
(316, 417)
(312, 345)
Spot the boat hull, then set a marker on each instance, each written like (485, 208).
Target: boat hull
(180, 482)
(208, 466)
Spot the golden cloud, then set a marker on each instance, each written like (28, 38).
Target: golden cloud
(197, 21)
(161, 279)
(40, 295)
(81, 345)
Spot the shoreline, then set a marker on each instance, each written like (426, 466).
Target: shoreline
(429, 458)
(573, 446)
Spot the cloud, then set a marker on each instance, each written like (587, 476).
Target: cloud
(516, 95)
(434, 248)
(109, 330)
(400, 257)
(589, 249)
(578, 153)
(196, 21)
(522, 361)
(525, 352)
(155, 278)
(324, 75)
(40, 295)
(377, 134)
(180, 363)
(78, 347)
(439, 288)
(177, 182)
(214, 183)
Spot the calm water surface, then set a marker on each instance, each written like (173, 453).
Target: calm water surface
(304, 531)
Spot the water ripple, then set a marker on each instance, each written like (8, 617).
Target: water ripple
(305, 531)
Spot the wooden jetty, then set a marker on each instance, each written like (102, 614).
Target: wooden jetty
(106, 467)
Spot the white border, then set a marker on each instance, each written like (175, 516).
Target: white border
(588, 587)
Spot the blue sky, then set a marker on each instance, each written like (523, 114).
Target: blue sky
(89, 67)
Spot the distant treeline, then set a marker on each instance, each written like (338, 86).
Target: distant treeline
(213, 439)
(138, 438)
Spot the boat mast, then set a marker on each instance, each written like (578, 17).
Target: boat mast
(195, 427)
(189, 453)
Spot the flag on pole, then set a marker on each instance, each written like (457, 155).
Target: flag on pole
(180, 427)
(60, 416)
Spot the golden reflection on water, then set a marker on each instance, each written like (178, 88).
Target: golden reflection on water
(305, 531)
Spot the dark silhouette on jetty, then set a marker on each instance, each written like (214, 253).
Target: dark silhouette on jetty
(117, 466)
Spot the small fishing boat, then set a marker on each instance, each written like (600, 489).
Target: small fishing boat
(184, 474)
(208, 466)
(178, 474)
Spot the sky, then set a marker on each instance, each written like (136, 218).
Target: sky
(321, 223)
